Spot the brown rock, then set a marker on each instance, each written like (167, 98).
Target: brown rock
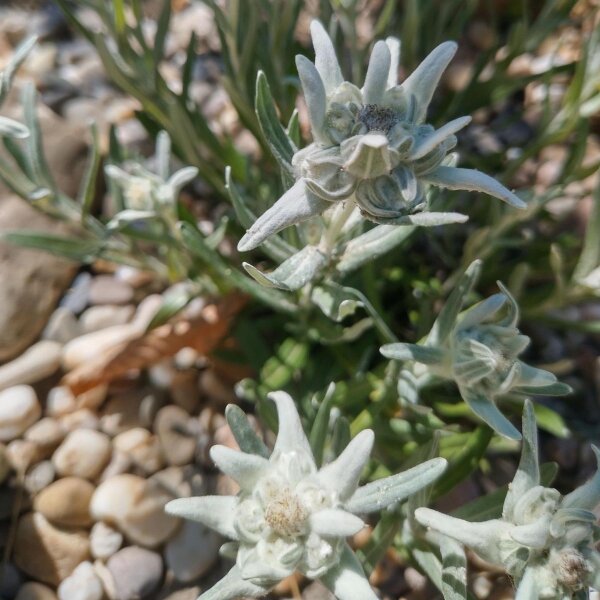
(177, 438)
(66, 502)
(45, 552)
(35, 591)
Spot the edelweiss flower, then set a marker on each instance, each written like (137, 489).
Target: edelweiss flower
(371, 145)
(544, 540)
(480, 351)
(147, 194)
(290, 516)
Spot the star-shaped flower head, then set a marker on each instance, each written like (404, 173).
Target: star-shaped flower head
(291, 516)
(544, 540)
(147, 194)
(479, 349)
(371, 144)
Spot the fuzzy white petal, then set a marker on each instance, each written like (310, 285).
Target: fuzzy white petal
(343, 474)
(314, 95)
(588, 495)
(377, 74)
(216, 512)
(244, 468)
(325, 59)
(425, 78)
(393, 43)
(290, 436)
(336, 523)
(428, 143)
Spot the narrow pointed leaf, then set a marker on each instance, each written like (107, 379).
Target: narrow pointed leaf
(13, 129)
(454, 569)
(383, 492)
(393, 44)
(290, 435)
(449, 313)
(429, 143)
(247, 439)
(586, 496)
(347, 580)
(298, 270)
(244, 468)
(232, 587)
(295, 206)
(455, 178)
(423, 354)
(424, 79)
(320, 426)
(433, 219)
(490, 413)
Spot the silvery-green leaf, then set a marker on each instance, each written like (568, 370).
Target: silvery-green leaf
(16, 60)
(430, 142)
(377, 74)
(326, 61)
(512, 314)
(12, 128)
(432, 219)
(454, 569)
(343, 474)
(455, 178)
(347, 580)
(595, 580)
(528, 473)
(532, 377)
(334, 301)
(447, 318)
(408, 387)
(471, 371)
(393, 44)
(290, 435)
(129, 215)
(315, 97)
(298, 270)
(424, 79)
(372, 244)
(527, 589)
(233, 587)
(245, 469)
(216, 512)
(555, 389)
(422, 354)
(381, 493)
(277, 138)
(489, 412)
(247, 439)
(293, 207)
(481, 537)
(481, 311)
(586, 496)
(334, 522)
(181, 178)
(274, 248)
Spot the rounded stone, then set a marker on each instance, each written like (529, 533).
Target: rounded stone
(136, 507)
(22, 454)
(10, 580)
(66, 502)
(84, 453)
(39, 361)
(106, 289)
(192, 552)
(142, 447)
(47, 433)
(45, 552)
(40, 476)
(35, 591)
(105, 541)
(137, 572)
(19, 408)
(81, 584)
(177, 438)
(96, 318)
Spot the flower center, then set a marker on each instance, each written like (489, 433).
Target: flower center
(377, 118)
(570, 568)
(286, 515)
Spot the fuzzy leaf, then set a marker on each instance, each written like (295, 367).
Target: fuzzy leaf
(377, 74)
(13, 129)
(428, 143)
(455, 178)
(314, 95)
(347, 580)
(423, 354)
(490, 413)
(334, 301)
(247, 439)
(232, 587)
(298, 270)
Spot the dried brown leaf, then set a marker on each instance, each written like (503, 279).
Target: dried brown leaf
(202, 333)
